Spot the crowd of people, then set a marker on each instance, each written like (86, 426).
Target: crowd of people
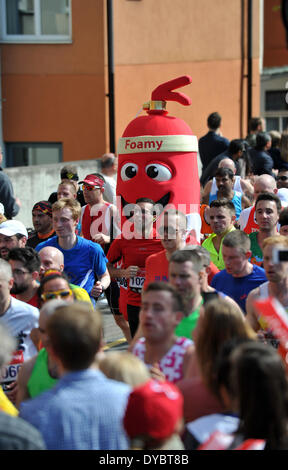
(203, 367)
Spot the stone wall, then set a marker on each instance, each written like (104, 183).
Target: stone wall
(36, 182)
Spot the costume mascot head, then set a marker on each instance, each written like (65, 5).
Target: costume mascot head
(158, 158)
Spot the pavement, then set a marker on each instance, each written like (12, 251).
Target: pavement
(113, 335)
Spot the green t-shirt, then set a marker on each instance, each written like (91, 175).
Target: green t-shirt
(187, 324)
(40, 379)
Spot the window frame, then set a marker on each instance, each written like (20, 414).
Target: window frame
(9, 146)
(278, 114)
(277, 110)
(37, 37)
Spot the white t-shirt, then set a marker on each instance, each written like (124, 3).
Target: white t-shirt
(244, 216)
(20, 319)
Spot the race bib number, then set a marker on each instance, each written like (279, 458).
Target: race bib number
(9, 372)
(122, 282)
(136, 283)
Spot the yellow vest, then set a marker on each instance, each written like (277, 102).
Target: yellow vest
(215, 257)
(6, 405)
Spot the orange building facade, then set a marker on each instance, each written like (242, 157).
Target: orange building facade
(54, 89)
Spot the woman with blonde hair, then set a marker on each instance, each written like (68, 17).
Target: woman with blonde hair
(124, 367)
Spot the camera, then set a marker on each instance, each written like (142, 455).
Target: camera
(279, 254)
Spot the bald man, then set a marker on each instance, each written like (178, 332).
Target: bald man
(241, 185)
(263, 184)
(52, 258)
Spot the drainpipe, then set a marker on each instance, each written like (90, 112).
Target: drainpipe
(1, 120)
(249, 57)
(111, 76)
(242, 73)
(284, 14)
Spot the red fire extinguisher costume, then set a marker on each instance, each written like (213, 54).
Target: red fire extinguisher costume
(158, 158)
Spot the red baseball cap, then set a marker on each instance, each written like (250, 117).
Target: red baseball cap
(93, 180)
(154, 409)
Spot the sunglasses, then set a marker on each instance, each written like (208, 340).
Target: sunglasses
(282, 178)
(63, 294)
(89, 187)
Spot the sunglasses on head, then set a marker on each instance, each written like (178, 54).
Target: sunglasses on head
(63, 294)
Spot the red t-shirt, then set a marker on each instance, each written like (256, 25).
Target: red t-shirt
(34, 301)
(156, 268)
(134, 253)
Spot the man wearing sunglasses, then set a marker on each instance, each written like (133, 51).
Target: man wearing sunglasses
(282, 178)
(98, 217)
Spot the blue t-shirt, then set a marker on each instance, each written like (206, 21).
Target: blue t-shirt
(83, 263)
(238, 288)
(237, 201)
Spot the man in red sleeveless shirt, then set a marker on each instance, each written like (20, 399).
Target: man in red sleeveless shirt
(98, 215)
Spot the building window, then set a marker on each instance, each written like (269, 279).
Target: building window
(35, 20)
(276, 110)
(25, 154)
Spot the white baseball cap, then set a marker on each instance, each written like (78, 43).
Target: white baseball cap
(11, 227)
